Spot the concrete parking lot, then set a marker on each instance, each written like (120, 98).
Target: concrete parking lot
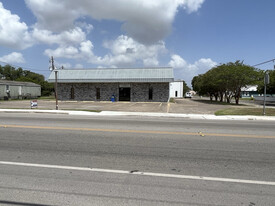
(186, 106)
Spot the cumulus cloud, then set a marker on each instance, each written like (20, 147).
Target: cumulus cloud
(17, 35)
(146, 21)
(82, 51)
(187, 71)
(62, 25)
(13, 32)
(13, 58)
(191, 6)
(79, 66)
(70, 37)
(124, 52)
(177, 61)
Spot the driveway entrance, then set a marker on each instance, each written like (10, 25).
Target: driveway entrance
(124, 94)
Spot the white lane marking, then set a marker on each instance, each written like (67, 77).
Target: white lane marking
(139, 173)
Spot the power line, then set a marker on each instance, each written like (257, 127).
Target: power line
(272, 60)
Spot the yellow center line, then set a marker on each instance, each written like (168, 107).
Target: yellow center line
(137, 131)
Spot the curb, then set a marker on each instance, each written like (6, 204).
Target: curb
(144, 114)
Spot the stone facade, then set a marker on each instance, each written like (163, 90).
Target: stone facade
(88, 91)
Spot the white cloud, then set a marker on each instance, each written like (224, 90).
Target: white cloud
(125, 51)
(204, 64)
(146, 21)
(64, 65)
(70, 37)
(79, 66)
(69, 52)
(81, 51)
(187, 71)
(13, 33)
(190, 5)
(85, 26)
(177, 62)
(13, 58)
(63, 24)
(150, 62)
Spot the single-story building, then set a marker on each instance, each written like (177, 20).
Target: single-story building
(176, 89)
(118, 84)
(250, 90)
(19, 90)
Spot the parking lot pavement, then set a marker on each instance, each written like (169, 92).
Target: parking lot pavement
(185, 106)
(195, 106)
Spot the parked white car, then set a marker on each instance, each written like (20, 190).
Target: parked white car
(188, 95)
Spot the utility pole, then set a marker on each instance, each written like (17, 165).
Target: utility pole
(55, 86)
(266, 81)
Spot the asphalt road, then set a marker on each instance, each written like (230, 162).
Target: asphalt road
(74, 160)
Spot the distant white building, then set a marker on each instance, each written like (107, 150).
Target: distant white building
(250, 90)
(176, 89)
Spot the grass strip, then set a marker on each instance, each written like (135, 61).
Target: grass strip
(246, 111)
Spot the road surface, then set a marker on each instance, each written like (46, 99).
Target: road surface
(75, 160)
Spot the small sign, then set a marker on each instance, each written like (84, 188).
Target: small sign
(266, 78)
(34, 104)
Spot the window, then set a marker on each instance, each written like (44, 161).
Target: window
(72, 92)
(7, 87)
(98, 93)
(176, 93)
(150, 93)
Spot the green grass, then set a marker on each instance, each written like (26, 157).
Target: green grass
(247, 99)
(47, 98)
(216, 102)
(172, 100)
(246, 111)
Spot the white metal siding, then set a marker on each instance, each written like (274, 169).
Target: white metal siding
(2, 91)
(176, 86)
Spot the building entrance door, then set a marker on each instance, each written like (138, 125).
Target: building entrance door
(124, 94)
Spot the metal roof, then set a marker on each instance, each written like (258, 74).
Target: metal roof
(16, 83)
(163, 74)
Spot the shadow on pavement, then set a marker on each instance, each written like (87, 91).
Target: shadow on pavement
(20, 203)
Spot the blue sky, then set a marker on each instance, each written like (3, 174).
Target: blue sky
(190, 35)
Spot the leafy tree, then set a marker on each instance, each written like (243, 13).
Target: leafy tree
(205, 84)
(226, 80)
(241, 76)
(47, 88)
(185, 88)
(8, 72)
(197, 84)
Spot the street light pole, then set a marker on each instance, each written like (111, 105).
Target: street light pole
(266, 81)
(56, 96)
(55, 86)
(264, 98)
